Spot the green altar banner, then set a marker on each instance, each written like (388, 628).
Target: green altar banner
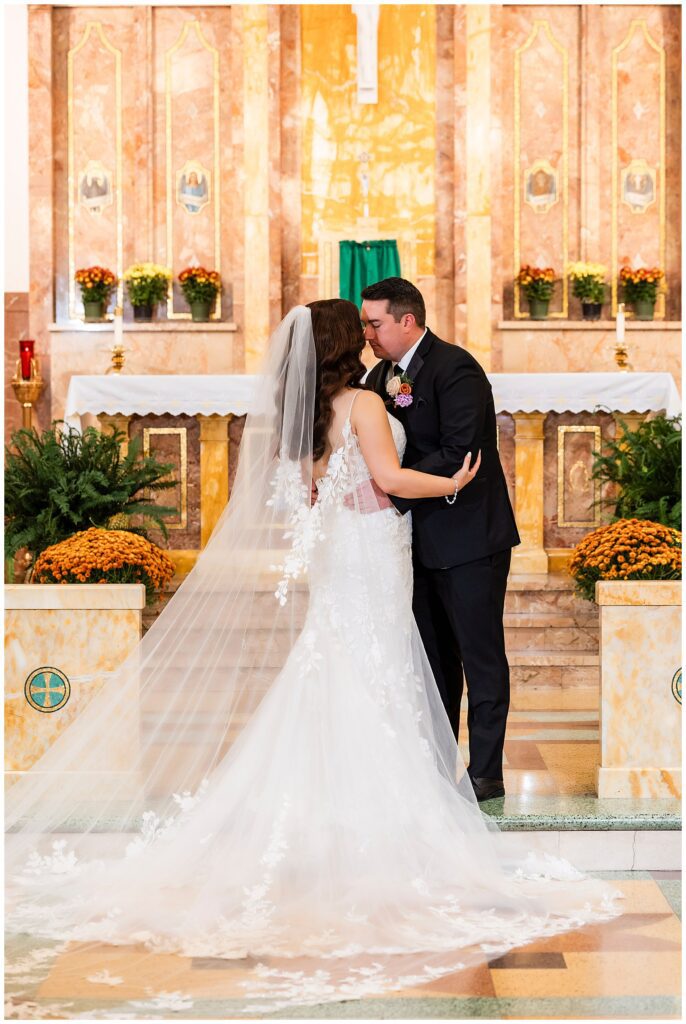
(363, 263)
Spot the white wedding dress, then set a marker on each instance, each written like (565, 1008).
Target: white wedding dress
(337, 849)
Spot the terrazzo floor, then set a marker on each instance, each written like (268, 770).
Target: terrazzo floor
(628, 968)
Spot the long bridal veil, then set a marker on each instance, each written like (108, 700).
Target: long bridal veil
(159, 724)
(288, 801)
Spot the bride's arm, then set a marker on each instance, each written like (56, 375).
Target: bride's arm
(370, 423)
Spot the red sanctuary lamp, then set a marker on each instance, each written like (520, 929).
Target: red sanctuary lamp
(26, 347)
(27, 383)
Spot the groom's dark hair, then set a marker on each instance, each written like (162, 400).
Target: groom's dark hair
(402, 298)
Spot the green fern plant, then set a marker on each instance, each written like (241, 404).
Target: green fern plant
(644, 465)
(63, 481)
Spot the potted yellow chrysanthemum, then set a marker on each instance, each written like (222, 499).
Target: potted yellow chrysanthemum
(588, 284)
(146, 284)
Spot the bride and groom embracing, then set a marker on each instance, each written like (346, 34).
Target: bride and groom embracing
(461, 546)
(334, 846)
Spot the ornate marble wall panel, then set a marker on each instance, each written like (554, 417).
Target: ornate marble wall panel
(500, 188)
(175, 439)
(398, 134)
(444, 303)
(256, 194)
(543, 69)
(193, 181)
(634, 130)
(291, 129)
(569, 491)
(96, 109)
(41, 188)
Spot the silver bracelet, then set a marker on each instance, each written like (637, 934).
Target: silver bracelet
(451, 501)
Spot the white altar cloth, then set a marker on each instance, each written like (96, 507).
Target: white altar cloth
(207, 394)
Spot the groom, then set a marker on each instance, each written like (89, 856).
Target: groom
(461, 550)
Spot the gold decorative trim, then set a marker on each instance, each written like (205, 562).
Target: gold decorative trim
(187, 26)
(636, 25)
(94, 26)
(562, 431)
(544, 26)
(182, 433)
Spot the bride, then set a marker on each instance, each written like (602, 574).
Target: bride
(287, 798)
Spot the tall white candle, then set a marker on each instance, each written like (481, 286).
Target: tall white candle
(620, 324)
(118, 326)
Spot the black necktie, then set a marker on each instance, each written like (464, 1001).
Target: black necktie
(397, 370)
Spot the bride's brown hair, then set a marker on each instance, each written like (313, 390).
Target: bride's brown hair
(338, 344)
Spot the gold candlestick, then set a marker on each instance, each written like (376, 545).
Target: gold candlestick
(27, 392)
(118, 358)
(621, 354)
(622, 358)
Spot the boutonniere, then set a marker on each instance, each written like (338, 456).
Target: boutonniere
(399, 388)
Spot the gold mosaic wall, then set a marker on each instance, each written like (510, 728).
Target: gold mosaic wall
(398, 133)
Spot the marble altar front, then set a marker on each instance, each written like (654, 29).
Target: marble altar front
(58, 650)
(640, 689)
(549, 425)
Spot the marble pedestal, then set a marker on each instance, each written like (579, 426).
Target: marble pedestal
(640, 715)
(76, 633)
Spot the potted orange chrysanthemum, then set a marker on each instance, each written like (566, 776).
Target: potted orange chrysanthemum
(96, 285)
(105, 556)
(200, 288)
(641, 289)
(627, 550)
(537, 283)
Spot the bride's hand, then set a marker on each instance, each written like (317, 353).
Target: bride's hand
(467, 472)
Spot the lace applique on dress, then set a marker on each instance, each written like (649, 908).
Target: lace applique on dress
(346, 469)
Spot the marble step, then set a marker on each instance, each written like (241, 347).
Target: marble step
(559, 669)
(549, 632)
(564, 602)
(523, 630)
(628, 835)
(591, 832)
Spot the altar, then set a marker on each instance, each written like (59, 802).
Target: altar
(549, 425)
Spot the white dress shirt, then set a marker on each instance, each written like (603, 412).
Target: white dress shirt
(402, 363)
(407, 358)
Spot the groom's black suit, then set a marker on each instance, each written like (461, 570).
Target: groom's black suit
(461, 552)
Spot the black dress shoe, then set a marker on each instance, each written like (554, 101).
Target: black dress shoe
(487, 789)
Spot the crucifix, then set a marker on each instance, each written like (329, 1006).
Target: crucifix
(367, 52)
(364, 159)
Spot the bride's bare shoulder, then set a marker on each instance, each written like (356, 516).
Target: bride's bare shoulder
(368, 409)
(369, 400)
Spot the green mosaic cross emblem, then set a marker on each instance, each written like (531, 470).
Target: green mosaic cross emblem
(47, 689)
(676, 686)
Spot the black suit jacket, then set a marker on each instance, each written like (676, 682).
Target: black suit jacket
(452, 412)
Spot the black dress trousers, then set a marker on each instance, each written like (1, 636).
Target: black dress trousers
(459, 612)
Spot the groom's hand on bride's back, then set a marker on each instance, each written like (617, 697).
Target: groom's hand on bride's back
(467, 472)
